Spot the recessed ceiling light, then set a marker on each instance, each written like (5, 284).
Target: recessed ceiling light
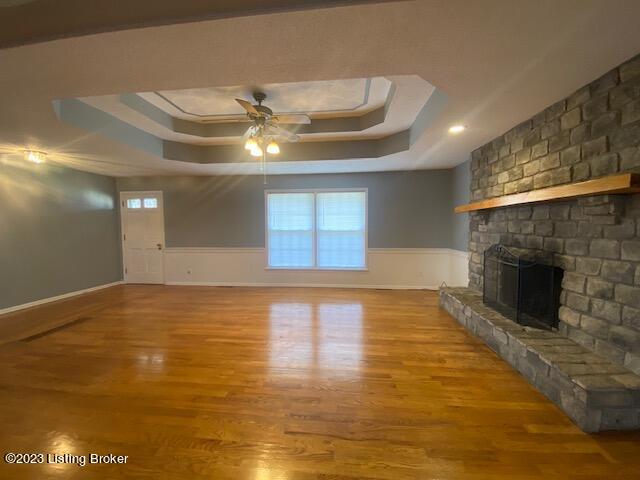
(456, 128)
(35, 156)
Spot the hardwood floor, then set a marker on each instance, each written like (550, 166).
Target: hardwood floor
(288, 384)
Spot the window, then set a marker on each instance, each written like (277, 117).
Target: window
(150, 203)
(290, 222)
(340, 227)
(139, 203)
(134, 203)
(320, 229)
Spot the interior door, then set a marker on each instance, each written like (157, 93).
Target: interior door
(142, 236)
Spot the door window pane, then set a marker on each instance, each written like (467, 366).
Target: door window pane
(150, 203)
(134, 203)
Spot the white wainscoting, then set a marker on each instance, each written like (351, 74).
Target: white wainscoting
(401, 268)
(459, 273)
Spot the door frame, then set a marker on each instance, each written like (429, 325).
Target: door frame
(122, 197)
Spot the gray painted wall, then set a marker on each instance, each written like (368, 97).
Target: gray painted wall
(461, 179)
(59, 232)
(406, 209)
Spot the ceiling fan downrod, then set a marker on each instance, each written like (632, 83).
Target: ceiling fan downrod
(259, 97)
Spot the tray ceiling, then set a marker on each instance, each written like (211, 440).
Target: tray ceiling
(327, 96)
(351, 118)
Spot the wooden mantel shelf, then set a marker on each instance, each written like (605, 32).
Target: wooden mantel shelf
(614, 184)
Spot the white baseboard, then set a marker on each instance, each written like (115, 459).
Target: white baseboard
(387, 268)
(301, 285)
(43, 301)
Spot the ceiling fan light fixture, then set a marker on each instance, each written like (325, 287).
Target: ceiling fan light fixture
(273, 148)
(256, 151)
(35, 156)
(250, 144)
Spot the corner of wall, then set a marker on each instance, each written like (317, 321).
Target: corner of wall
(460, 188)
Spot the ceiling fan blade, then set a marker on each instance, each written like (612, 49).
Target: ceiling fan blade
(285, 134)
(247, 106)
(293, 119)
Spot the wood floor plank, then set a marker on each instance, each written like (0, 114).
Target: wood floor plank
(250, 383)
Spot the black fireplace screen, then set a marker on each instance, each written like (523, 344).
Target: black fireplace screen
(523, 287)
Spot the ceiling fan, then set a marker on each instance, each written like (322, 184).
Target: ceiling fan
(264, 134)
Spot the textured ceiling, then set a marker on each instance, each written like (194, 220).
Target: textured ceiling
(13, 3)
(301, 97)
(498, 61)
(32, 21)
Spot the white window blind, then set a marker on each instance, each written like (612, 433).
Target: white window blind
(341, 229)
(290, 229)
(325, 229)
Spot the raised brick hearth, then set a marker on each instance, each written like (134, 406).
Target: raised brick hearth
(596, 393)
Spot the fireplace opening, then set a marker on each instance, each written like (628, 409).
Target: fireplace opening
(524, 287)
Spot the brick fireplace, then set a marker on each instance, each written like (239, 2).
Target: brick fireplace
(593, 133)
(596, 240)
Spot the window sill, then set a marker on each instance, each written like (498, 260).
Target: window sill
(307, 269)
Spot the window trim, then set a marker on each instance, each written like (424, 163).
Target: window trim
(315, 192)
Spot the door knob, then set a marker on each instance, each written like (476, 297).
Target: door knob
(159, 246)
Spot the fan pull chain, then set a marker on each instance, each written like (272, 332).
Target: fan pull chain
(264, 168)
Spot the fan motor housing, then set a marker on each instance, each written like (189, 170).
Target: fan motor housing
(264, 110)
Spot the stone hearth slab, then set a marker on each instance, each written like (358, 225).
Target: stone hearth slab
(594, 392)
